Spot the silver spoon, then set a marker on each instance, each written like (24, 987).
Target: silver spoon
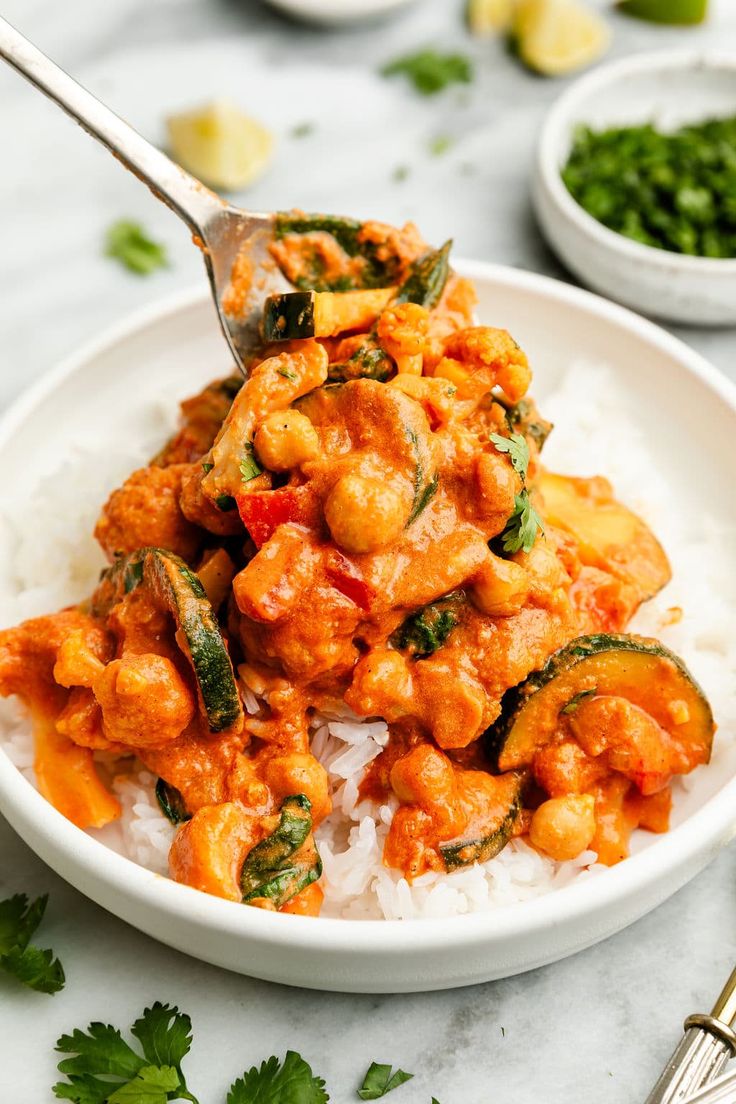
(222, 231)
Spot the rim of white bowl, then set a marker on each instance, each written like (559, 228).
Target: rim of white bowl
(707, 829)
(336, 10)
(558, 125)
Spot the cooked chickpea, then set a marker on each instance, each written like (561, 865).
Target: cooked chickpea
(563, 827)
(300, 773)
(145, 701)
(285, 439)
(500, 588)
(364, 514)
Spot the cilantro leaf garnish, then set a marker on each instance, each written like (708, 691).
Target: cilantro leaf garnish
(36, 968)
(430, 72)
(381, 1079)
(104, 1069)
(517, 448)
(274, 1082)
(249, 466)
(128, 243)
(522, 527)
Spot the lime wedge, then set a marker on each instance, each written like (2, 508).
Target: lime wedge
(487, 17)
(220, 144)
(666, 11)
(555, 37)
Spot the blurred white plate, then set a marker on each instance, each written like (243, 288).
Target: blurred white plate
(104, 394)
(338, 12)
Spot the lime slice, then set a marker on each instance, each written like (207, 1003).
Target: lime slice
(220, 144)
(487, 17)
(555, 37)
(666, 11)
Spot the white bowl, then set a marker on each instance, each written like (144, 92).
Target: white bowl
(338, 12)
(668, 89)
(101, 394)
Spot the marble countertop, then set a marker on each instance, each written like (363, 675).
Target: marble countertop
(597, 1027)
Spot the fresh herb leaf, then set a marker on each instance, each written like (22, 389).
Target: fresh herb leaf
(380, 1079)
(274, 1082)
(427, 629)
(522, 527)
(440, 144)
(249, 466)
(171, 802)
(36, 968)
(423, 498)
(151, 1085)
(225, 503)
(288, 374)
(128, 243)
(207, 467)
(302, 130)
(517, 449)
(431, 72)
(102, 1067)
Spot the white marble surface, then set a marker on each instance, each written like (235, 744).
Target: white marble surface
(593, 1028)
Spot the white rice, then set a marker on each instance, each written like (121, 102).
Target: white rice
(591, 421)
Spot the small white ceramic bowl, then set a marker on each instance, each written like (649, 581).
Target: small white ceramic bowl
(668, 89)
(338, 12)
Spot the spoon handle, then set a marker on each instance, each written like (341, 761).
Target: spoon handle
(168, 182)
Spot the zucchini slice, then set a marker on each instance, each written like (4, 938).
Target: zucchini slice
(287, 861)
(176, 588)
(299, 314)
(609, 535)
(489, 837)
(641, 670)
(427, 278)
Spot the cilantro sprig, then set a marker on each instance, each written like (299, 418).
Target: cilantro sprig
(517, 448)
(522, 527)
(34, 967)
(129, 243)
(381, 1079)
(105, 1069)
(275, 1082)
(431, 72)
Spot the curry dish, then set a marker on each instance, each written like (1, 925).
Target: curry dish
(364, 524)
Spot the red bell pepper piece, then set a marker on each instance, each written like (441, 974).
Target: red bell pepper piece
(346, 578)
(263, 511)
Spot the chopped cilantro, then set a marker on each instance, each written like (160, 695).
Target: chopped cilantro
(522, 527)
(673, 190)
(104, 1069)
(128, 243)
(430, 71)
(249, 466)
(288, 374)
(274, 1082)
(381, 1079)
(517, 449)
(36, 968)
(440, 144)
(302, 130)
